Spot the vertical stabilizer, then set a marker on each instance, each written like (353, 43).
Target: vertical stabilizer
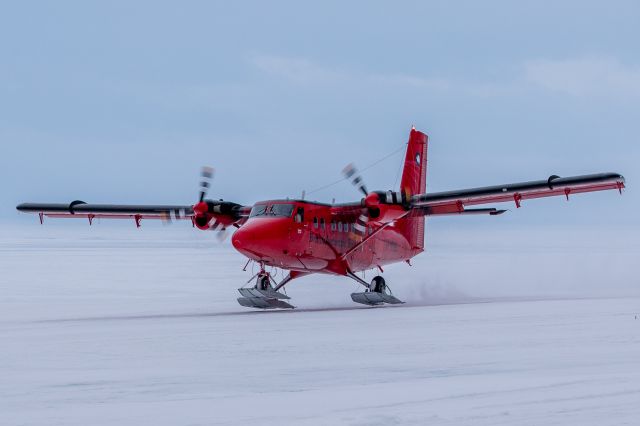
(414, 181)
(414, 173)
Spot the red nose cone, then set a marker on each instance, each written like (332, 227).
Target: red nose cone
(372, 200)
(200, 208)
(262, 238)
(239, 240)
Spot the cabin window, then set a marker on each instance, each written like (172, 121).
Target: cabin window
(333, 225)
(322, 223)
(339, 226)
(315, 222)
(299, 215)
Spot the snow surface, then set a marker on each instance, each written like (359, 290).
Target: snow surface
(131, 327)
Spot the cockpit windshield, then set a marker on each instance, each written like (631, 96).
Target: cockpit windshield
(258, 210)
(270, 210)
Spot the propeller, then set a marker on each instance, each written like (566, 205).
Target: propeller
(222, 232)
(169, 216)
(206, 176)
(351, 173)
(213, 215)
(201, 208)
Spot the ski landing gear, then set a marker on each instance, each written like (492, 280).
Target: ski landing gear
(377, 292)
(263, 295)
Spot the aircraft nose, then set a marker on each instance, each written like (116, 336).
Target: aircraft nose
(260, 238)
(240, 239)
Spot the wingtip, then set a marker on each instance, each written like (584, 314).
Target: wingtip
(614, 175)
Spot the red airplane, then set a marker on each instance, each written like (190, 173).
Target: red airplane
(307, 237)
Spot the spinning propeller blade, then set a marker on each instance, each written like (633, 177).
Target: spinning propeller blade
(350, 172)
(222, 232)
(221, 235)
(205, 208)
(168, 216)
(205, 181)
(360, 226)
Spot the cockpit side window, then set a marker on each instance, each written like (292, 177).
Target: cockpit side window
(283, 210)
(258, 210)
(299, 217)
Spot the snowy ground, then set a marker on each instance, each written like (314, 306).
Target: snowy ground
(131, 327)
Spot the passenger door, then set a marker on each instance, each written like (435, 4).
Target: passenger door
(299, 235)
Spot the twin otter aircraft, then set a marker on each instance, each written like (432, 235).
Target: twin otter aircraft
(306, 237)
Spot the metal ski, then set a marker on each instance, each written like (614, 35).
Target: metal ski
(373, 298)
(377, 292)
(263, 295)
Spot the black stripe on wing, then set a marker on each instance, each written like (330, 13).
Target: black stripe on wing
(83, 208)
(551, 184)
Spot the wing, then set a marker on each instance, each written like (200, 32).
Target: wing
(216, 212)
(453, 202)
(80, 209)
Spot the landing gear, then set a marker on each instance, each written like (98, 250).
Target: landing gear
(377, 292)
(262, 283)
(378, 284)
(263, 295)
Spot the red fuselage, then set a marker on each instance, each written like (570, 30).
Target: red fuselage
(313, 237)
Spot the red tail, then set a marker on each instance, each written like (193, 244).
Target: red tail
(414, 174)
(414, 181)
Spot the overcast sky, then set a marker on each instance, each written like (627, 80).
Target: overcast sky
(124, 101)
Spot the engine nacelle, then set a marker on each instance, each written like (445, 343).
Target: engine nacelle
(375, 199)
(214, 214)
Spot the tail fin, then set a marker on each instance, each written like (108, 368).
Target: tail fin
(414, 181)
(414, 174)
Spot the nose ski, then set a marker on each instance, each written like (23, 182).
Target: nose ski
(263, 295)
